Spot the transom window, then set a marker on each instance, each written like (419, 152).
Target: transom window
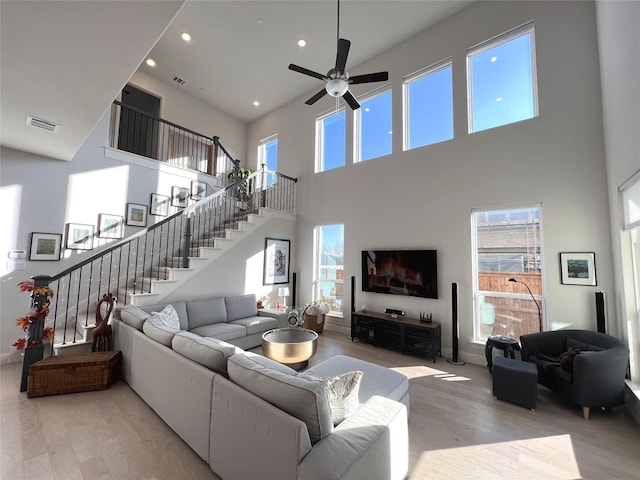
(507, 264)
(501, 80)
(428, 106)
(331, 141)
(328, 276)
(373, 127)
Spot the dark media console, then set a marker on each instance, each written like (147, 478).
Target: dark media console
(407, 335)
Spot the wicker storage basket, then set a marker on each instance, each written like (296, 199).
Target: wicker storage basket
(311, 323)
(73, 373)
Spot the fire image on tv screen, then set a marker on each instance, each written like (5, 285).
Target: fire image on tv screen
(400, 272)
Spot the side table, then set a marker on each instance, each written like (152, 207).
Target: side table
(506, 344)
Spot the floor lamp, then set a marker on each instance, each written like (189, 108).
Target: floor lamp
(534, 300)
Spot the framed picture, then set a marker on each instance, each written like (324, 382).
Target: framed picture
(110, 226)
(136, 215)
(79, 237)
(578, 268)
(198, 190)
(179, 196)
(159, 205)
(276, 261)
(45, 246)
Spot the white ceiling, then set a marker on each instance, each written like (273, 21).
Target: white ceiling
(65, 61)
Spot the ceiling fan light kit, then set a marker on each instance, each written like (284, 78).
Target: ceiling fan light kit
(337, 78)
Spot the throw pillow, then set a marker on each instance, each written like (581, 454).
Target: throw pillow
(342, 393)
(169, 317)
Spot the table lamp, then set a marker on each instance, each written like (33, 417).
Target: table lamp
(284, 293)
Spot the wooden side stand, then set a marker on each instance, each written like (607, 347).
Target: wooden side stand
(73, 373)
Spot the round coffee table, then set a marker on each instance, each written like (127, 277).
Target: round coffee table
(291, 346)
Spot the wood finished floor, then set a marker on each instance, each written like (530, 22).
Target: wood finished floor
(457, 430)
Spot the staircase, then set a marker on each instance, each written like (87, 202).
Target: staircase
(146, 267)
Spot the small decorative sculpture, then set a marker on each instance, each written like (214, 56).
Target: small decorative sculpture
(102, 332)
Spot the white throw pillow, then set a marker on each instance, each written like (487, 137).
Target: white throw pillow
(169, 317)
(342, 393)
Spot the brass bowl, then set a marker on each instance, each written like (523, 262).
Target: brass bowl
(289, 345)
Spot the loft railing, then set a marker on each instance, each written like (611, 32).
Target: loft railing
(130, 266)
(135, 131)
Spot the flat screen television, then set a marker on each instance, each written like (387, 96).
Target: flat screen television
(400, 272)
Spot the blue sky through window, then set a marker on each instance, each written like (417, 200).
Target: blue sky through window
(430, 108)
(333, 141)
(501, 80)
(375, 127)
(271, 155)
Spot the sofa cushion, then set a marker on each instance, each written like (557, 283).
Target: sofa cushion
(257, 324)
(210, 352)
(221, 331)
(342, 393)
(302, 398)
(376, 379)
(133, 316)
(241, 306)
(206, 311)
(155, 329)
(179, 306)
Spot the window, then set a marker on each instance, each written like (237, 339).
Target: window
(330, 141)
(328, 276)
(428, 106)
(501, 80)
(373, 127)
(507, 245)
(268, 153)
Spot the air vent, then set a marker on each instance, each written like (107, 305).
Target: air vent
(179, 80)
(42, 123)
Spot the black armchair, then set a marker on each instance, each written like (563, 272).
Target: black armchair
(596, 378)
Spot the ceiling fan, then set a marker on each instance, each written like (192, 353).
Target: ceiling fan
(338, 79)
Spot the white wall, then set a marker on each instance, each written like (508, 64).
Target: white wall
(423, 198)
(40, 194)
(183, 109)
(618, 39)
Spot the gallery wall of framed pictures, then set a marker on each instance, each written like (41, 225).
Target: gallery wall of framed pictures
(80, 236)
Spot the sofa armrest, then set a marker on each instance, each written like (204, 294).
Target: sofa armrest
(278, 315)
(598, 377)
(373, 443)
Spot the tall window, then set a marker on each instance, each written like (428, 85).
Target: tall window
(268, 153)
(501, 80)
(428, 106)
(328, 276)
(373, 127)
(330, 141)
(507, 245)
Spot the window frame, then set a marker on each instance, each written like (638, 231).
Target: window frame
(478, 295)
(357, 123)
(501, 39)
(319, 160)
(262, 150)
(317, 253)
(420, 74)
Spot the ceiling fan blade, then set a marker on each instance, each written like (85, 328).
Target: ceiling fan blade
(341, 56)
(316, 97)
(351, 100)
(306, 71)
(369, 77)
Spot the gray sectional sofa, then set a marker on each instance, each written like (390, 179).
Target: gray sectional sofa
(250, 417)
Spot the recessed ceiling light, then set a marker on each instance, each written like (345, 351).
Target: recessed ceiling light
(151, 62)
(256, 103)
(494, 59)
(185, 36)
(302, 42)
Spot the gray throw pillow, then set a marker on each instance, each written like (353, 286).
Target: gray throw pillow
(133, 316)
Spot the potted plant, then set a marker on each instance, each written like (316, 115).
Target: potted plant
(244, 189)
